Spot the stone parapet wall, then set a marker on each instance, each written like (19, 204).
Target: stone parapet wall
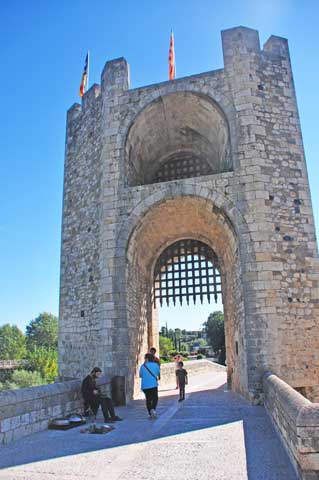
(29, 410)
(297, 421)
(7, 366)
(193, 367)
(10, 364)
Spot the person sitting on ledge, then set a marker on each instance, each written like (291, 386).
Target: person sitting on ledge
(93, 398)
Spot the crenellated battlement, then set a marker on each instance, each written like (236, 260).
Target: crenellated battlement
(239, 45)
(276, 46)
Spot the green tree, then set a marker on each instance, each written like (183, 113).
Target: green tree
(215, 330)
(165, 346)
(45, 362)
(184, 347)
(170, 333)
(163, 331)
(43, 332)
(12, 343)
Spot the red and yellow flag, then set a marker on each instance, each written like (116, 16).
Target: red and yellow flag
(171, 59)
(84, 79)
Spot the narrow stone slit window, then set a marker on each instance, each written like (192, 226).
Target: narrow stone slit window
(187, 270)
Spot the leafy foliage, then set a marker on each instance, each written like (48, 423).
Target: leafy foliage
(165, 346)
(12, 343)
(43, 332)
(185, 348)
(22, 379)
(44, 361)
(38, 349)
(215, 330)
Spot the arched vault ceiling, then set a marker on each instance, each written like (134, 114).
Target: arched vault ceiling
(174, 123)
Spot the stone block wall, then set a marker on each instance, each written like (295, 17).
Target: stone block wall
(29, 410)
(80, 332)
(296, 420)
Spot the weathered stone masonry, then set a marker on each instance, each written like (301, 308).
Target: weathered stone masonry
(253, 209)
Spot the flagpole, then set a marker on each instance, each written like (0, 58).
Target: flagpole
(174, 52)
(171, 58)
(87, 78)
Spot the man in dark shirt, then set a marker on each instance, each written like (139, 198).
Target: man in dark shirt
(155, 359)
(93, 397)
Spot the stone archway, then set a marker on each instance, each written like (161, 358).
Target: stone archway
(165, 223)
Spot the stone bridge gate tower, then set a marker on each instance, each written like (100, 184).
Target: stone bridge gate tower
(216, 160)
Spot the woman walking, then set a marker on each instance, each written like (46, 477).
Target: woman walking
(149, 373)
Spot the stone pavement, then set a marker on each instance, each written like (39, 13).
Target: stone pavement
(214, 434)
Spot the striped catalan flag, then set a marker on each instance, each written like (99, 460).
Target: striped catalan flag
(84, 79)
(171, 59)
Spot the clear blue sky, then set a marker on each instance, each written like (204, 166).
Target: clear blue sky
(43, 46)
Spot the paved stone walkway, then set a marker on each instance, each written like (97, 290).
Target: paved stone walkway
(213, 435)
